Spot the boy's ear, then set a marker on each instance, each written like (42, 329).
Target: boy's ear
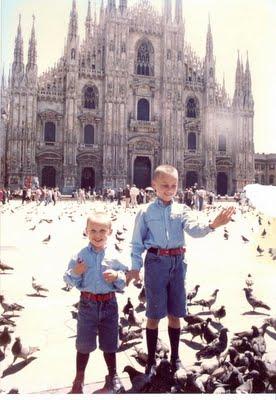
(110, 231)
(153, 184)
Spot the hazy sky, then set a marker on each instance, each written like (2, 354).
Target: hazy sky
(244, 25)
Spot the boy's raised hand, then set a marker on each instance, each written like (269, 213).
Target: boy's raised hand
(223, 217)
(110, 275)
(134, 274)
(80, 267)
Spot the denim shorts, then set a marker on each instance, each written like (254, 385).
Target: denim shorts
(97, 318)
(165, 286)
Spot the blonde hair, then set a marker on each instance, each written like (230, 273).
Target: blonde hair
(99, 217)
(165, 169)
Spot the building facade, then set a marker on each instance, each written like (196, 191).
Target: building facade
(265, 169)
(131, 95)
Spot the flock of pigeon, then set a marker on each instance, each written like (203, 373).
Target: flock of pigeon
(222, 364)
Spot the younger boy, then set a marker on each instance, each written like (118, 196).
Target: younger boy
(159, 229)
(97, 275)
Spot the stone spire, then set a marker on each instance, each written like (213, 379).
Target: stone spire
(209, 42)
(167, 10)
(178, 12)
(18, 64)
(248, 98)
(88, 22)
(73, 24)
(238, 83)
(123, 6)
(32, 54)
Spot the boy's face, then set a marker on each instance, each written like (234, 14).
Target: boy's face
(166, 186)
(98, 233)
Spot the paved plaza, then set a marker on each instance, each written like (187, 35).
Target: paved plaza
(47, 322)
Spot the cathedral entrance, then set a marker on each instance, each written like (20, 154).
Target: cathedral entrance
(48, 177)
(191, 178)
(142, 172)
(222, 183)
(88, 178)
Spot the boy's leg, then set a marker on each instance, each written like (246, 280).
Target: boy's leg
(151, 337)
(81, 363)
(174, 336)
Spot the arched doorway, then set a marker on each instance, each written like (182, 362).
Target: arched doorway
(222, 183)
(191, 178)
(142, 172)
(48, 177)
(88, 178)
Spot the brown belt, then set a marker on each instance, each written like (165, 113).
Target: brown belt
(98, 297)
(167, 252)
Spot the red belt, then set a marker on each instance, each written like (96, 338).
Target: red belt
(98, 297)
(167, 252)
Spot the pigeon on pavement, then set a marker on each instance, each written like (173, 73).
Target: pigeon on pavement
(192, 293)
(253, 301)
(20, 351)
(216, 347)
(5, 338)
(37, 287)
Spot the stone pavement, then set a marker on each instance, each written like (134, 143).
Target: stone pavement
(47, 321)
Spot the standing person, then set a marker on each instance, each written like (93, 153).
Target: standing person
(97, 274)
(159, 229)
(24, 194)
(127, 195)
(134, 191)
(201, 196)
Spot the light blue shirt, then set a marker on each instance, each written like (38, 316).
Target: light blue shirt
(92, 279)
(162, 226)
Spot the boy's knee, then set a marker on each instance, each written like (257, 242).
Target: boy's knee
(174, 322)
(152, 323)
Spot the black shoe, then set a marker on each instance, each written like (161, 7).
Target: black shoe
(176, 365)
(114, 385)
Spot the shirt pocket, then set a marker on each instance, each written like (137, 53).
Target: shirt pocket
(176, 224)
(155, 226)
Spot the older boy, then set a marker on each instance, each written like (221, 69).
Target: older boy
(97, 275)
(159, 229)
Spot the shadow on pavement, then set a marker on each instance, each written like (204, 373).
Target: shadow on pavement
(127, 346)
(35, 295)
(254, 313)
(17, 367)
(192, 345)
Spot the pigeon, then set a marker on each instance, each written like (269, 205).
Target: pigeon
(260, 250)
(126, 335)
(33, 228)
(219, 313)
(20, 351)
(249, 281)
(237, 359)
(192, 293)
(209, 302)
(133, 320)
(140, 355)
(10, 307)
(5, 267)
(139, 380)
(245, 240)
(162, 349)
(263, 233)
(216, 347)
(194, 330)
(142, 296)
(120, 237)
(272, 252)
(47, 239)
(118, 247)
(207, 333)
(193, 319)
(5, 320)
(248, 334)
(271, 322)
(259, 345)
(5, 338)
(127, 307)
(253, 301)
(241, 344)
(226, 235)
(37, 287)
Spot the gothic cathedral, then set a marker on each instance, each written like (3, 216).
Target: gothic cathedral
(128, 97)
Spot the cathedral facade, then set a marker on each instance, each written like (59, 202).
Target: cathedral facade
(130, 96)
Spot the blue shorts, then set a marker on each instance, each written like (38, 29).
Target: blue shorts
(97, 318)
(165, 286)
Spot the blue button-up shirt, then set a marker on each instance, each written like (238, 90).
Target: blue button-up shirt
(162, 226)
(92, 279)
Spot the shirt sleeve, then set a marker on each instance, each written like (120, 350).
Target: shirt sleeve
(137, 242)
(193, 227)
(120, 282)
(70, 277)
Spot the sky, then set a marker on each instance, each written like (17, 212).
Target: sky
(244, 25)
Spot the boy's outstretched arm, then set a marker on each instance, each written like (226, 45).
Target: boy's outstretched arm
(223, 217)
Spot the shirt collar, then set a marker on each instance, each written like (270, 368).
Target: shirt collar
(91, 248)
(160, 203)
